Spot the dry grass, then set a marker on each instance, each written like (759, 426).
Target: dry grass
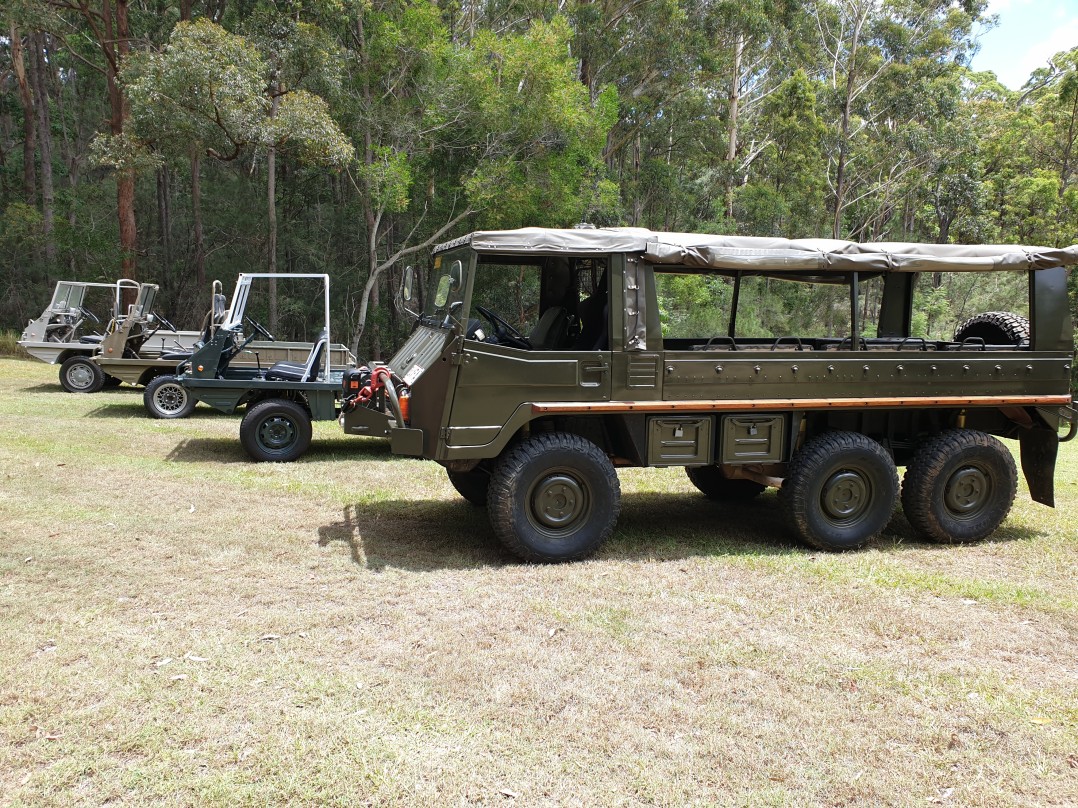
(180, 627)
(9, 345)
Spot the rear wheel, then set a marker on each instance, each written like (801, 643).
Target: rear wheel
(277, 430)
(713, 485)
(553, 497)
(840, 490)
(165, 397)
(959, 486)
(472, 485)
(80, 374)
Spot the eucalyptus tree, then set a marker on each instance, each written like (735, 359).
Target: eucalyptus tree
(211, 92)
(496, 129)
(878, 55)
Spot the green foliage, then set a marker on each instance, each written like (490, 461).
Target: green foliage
(205, 89)
(399, 124)
(302, 127)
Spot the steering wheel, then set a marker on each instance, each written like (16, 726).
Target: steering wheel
(503, 331)
(164, 321)
(89, 315)
(261, 329)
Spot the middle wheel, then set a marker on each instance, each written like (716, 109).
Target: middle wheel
(553, 497)
(840, 490)
(710, 481)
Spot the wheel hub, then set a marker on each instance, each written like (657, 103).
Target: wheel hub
(557, 501)
(170, 398)
(276, 432)
(845, 496)
(968, 490)
(80, 376)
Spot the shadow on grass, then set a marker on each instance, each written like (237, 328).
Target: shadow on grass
(43, 388)
(438, 534)
(427, 535)
(229, 450)
(133, 407)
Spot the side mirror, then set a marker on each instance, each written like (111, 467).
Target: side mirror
(406, 295)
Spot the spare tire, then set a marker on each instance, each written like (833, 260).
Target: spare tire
(995, 328)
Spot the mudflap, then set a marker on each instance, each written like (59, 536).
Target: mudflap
(1039, 447)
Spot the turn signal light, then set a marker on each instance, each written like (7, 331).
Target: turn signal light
(200, 368)
(405, 401)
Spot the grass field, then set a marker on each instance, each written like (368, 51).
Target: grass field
(179, 626)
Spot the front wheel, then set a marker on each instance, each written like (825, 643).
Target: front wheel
(840, 490)
(277, 430)
(80, 374)
(165, 397)
(959, 486)
(553, 497)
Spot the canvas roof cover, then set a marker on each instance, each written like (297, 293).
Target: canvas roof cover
(702, 251)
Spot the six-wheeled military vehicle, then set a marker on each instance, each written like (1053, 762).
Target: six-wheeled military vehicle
(281, 398)
(66, 332)
(543, 360)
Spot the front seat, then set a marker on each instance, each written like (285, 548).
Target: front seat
(300, 371)
(552, 331)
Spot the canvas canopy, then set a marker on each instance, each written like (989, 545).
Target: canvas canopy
(816, 256)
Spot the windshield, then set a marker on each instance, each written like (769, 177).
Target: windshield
(67, 296)
(445, 292)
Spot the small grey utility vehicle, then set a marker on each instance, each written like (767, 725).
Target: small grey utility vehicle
(588, 358)
(281, 398)
(66, 332)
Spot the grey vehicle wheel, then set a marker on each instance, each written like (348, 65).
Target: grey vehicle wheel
(472, 485)
(995, 328)
(840, 490)
(553, 497)
(165, 397)
(959, 486)
(713, 485)
(276, 430)
(80, 374)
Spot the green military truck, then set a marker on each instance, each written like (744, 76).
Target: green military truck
(542, 360)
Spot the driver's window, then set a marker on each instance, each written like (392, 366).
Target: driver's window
(510, 291)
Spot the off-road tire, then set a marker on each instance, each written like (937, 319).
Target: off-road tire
(713, 485)
(840, 490)
(959, 486)
(165, 397)
(276, 430)
(553, 497)
(472, 485)
(995, 328)
(80, 374)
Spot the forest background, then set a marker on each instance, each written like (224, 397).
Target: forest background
(178, 142)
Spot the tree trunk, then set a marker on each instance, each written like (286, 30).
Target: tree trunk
(844, 133)
(271, 215)
(38, 71)
(733, 98)
(164, 224)
(116, 44)
(29, 129)
(196, 217)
